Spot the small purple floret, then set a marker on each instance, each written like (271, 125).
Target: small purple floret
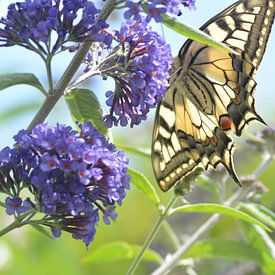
(16, 205)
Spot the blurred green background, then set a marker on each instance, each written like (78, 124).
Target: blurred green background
(25, 251)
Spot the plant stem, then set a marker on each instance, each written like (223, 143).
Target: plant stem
(82, 78)
(15, 224)
(49, 73)
(20, 222)
(151, 236)
(266, 162)
(60, 87)
(62, 84)
(237, 196)
(171, 234)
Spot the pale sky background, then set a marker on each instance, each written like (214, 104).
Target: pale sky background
(16, 59)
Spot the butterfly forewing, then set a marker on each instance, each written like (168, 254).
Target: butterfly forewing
(222, 85)
(244, 25)
(211, 93)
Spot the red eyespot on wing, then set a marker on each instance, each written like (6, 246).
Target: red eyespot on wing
(225, 123)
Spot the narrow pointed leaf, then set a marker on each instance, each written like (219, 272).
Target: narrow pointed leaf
(217, 208)
(190, 32)
(260, 240)
(143, 152)
(144, 185)
(42, 230)
(194, 34)
(116, 251)
(221, 248)
(8, 80)
(208, 183)
(260, 212)
(18, 110)
(84, 106)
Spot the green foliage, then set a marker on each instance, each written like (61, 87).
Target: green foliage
(260, 212)
(84, 106)
(16, 111)
(194, 33)
(42, 230)
(144, 185)
(116, 251)
(257, 238)
(190, 32)
(141, 152)
(217, 208)
(8, 80)
(225, 249)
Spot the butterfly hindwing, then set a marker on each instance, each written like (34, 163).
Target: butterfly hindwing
(211, 93)
(221, 84)
(186, 139)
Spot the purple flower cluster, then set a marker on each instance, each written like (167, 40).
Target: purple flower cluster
(155, 8)
(31, 23)
(71, 177)
(140, 66)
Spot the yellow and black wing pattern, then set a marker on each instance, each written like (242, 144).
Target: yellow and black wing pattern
(211, 94)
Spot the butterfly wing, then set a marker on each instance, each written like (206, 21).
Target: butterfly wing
(221, 84)
(245, 25)
(211, 93)
(186, 139)
(225, 83)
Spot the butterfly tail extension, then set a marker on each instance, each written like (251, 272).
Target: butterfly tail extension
(227, 148)
(218, 146)
(242, 83)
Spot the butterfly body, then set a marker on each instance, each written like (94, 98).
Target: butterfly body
(211, 94)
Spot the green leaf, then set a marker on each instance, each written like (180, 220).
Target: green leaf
(190, 32)
(143, 152)
(208, 183)
(217, 208)
(18, 110)
(8, 80)
(120, 251)
(260, 212)
(194, 34)
(221, 248)
(42, 230)
(144, 185)
(260, 240)
(84, 106)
